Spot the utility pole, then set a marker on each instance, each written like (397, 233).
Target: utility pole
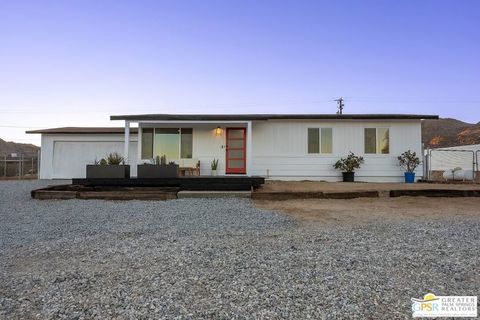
(340, 105)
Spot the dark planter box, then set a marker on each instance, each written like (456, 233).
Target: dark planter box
(155, 171)
(108, 171)
(348, 176)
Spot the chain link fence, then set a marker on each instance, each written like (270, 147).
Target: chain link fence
(19, 166)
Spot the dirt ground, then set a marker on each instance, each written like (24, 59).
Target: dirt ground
(369, 210)
(313, 186)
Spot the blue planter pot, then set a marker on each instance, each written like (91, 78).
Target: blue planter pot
(409, 177)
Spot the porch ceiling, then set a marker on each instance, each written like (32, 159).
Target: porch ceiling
(186, 124)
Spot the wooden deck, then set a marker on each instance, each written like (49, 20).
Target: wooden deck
(191, 183)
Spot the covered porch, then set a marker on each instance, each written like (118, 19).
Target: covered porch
(194, 145)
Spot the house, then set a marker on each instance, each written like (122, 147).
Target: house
(276, 146)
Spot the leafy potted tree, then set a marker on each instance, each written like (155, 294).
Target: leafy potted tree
(348, 166)
(214, 166)
(158, 169)
(111, 167)
(409, 162)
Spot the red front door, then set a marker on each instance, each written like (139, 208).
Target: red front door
(236, 150)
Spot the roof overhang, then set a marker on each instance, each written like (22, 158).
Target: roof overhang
(251, 117)
(83, 130)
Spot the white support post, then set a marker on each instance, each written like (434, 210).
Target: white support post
(249, 148)
(127, 141)
(139, 144)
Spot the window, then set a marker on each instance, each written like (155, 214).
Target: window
(186, 143)
(174, 143)
(383, 140)
(320, 140)
(377, 140)
(370, 140)
(167, 143)
(313, 141)
(327, 141)
(147, 143)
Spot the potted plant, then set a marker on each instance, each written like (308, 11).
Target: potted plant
(214, 166)
(111, 167)
(409, 162)
(348, 166)
(158, 169)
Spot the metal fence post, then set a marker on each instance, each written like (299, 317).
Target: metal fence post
(476, 156)
(39, 155)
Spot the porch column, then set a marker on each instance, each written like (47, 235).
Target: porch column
(127, 141)
(249, 148)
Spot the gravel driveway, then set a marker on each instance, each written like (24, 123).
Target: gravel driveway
(221, 259)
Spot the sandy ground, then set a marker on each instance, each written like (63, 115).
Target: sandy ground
(312, 186)
(370, 210)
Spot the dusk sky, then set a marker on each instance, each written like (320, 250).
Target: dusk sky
(74, 63)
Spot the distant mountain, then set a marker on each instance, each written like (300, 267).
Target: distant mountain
(13, 147)
(449, 133)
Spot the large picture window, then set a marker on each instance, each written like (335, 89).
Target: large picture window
(320, 140)
(174, 143)
(377, 140)
(167, 143)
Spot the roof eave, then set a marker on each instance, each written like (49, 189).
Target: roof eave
(251, 117)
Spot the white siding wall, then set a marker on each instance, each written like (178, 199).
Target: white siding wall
(280, 148)
(65, 156)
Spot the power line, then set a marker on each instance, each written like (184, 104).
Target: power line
(260, 104)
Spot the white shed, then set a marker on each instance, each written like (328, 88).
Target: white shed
(464, 157)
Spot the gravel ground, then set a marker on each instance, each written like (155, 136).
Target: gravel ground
(207, 258)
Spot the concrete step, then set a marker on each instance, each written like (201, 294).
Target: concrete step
(213, 194)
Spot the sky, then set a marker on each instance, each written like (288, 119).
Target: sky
(75, 63)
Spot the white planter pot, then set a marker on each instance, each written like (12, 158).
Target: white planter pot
(214, 173)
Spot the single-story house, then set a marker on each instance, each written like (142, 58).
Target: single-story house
(276, 146)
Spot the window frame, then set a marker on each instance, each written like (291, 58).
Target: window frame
(319, 153)
(377, 153)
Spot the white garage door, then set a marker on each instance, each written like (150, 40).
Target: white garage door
(71, 157)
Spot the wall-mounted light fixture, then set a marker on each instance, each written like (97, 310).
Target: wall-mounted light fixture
(218, 131)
